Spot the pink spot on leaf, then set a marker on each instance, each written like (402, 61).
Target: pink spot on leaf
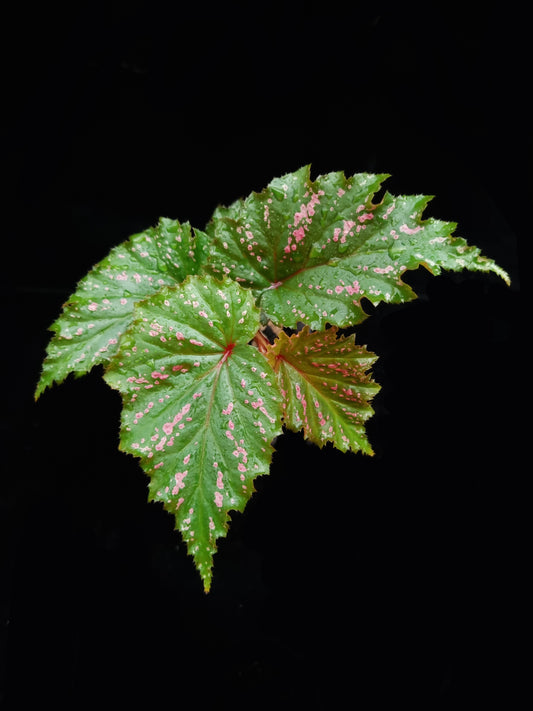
(347, 226)
(388, 212)
(410, 231)
(299, 234)
(179, 477)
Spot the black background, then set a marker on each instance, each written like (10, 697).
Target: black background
(348, 579)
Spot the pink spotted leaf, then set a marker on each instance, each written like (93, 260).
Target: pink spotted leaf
(325, 386)
(182, 321)
(92, 321)
(201, 405)
(311, 250)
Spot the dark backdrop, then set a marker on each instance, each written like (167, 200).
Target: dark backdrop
(366, 580)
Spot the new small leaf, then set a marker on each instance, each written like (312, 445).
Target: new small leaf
(325, 386)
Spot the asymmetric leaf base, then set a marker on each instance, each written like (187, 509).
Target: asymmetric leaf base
(218, 338)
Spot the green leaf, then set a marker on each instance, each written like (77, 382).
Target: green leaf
(325, 386)
(172, 314)
(201, 405)
(311, 250)
(93, 319)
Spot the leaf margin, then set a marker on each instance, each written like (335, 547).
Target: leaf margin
(111, 268)
(299, 384)
(186, 387)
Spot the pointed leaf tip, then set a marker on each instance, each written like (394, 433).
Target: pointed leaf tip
(201, 405)
(325, 386)
(312, 250)
(88, 330)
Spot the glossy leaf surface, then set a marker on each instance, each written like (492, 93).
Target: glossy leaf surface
(201, 405)
(183, 321)
(311, 250)
(88, 330)
(325, 387)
